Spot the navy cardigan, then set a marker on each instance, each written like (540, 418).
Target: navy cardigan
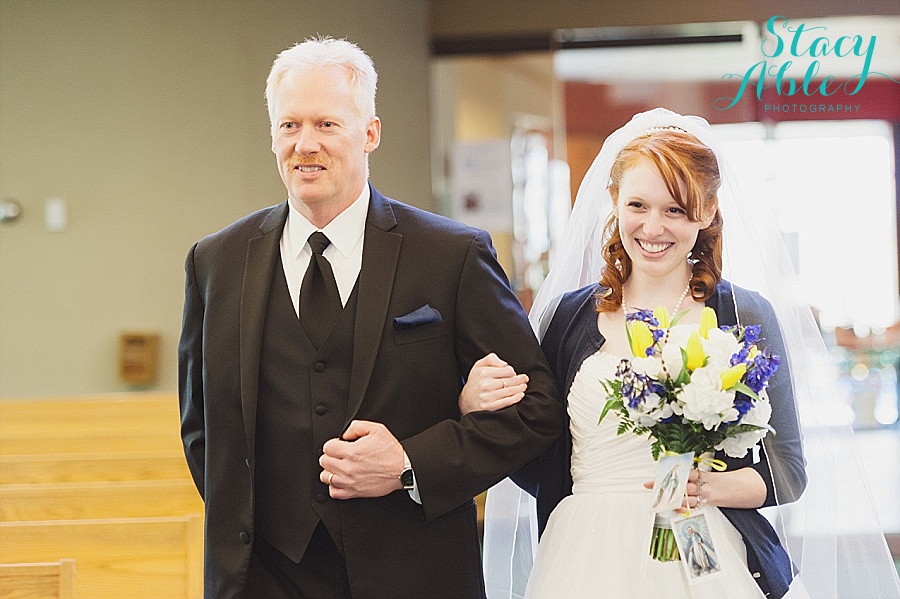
(573, 336)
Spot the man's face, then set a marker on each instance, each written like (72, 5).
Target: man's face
(320, 140)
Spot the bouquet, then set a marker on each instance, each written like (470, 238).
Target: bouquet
(691, 389)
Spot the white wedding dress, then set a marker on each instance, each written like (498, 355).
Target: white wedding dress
(597, 539)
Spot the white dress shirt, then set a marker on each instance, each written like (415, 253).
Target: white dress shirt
(344, 253)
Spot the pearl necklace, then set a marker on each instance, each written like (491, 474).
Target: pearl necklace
(674, 310)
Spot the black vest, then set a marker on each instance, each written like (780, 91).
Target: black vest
(303, 398)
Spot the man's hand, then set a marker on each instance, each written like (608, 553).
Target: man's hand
(365, 462)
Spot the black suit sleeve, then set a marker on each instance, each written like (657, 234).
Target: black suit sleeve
(456, 460)
(190, 377)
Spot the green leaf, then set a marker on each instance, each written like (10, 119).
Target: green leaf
(676, 318)
(684, 377)
(742, 388)
(606, 408)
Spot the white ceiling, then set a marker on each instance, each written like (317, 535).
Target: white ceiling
(708, 62)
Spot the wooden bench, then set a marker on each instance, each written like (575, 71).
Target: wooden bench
(88, 443)
(49, 580)
(94, 438)
(93, 500)
(133, 558)
(95, 466)
(112, 413)
(113, 423)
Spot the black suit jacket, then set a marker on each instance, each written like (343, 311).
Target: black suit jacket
(408, 379)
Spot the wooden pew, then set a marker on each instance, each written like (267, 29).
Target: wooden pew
(119, 410)
(88, 467)
(90, 443)
(93, 500)
(112, 423)
(103, 480)
(49, 580)
(133, 558)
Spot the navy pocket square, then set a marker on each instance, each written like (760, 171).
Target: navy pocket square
(424, 315)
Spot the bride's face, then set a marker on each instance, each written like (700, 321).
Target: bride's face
(656, 232)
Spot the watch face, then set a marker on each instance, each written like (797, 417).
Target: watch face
(406, 478)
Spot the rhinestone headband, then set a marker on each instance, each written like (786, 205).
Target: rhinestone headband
(652, 130)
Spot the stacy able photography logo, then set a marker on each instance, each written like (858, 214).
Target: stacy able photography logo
(793, 56)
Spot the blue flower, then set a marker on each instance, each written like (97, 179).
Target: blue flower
(742, 404)
(656, 387)
(760, 370)
(635, 386)
(741, 356)
(751, 334)
(643, 315)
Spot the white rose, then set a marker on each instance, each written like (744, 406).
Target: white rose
(667, 411)
(651, 366)
(650, 406)
(704, 401)
(720, 347)
(645, 420)
(760, 413)
(738, 445)
(656, 411)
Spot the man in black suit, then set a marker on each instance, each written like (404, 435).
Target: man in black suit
(323, 348)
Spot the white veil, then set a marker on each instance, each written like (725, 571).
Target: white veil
(832, 532)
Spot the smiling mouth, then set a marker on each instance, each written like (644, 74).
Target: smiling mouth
(653, 248)
(309, 168)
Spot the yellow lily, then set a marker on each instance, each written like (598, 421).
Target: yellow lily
(708, 321)
(694, 351)
(731, 376)
(641, 338)
(662, 315)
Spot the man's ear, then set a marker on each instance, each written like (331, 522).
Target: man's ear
(373, 135)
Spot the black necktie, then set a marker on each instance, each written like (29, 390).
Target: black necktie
(320, 302)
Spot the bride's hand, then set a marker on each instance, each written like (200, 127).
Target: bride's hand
(694, 495)
(742, 488)
(492, 385)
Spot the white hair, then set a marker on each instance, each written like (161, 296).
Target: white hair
(320, 52)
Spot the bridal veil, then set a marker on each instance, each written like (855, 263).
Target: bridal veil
(831, 528)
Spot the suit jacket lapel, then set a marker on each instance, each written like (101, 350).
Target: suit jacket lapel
(258, 271)
(381, 248)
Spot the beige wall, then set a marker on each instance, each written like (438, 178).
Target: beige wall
(148, 118)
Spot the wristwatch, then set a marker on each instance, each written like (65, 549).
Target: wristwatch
(406, 476)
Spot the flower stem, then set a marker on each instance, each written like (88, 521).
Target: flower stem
(662, 545)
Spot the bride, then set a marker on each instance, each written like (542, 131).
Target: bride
(661, 246)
